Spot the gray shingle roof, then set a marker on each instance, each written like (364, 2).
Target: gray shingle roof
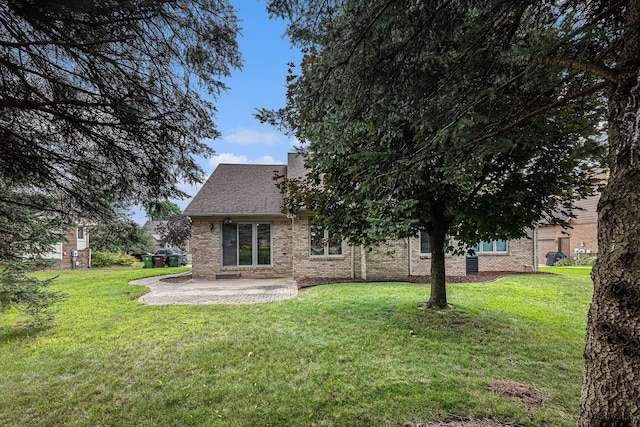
(239, 190)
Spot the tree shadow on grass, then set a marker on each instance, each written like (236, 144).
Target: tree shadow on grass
(21, 331)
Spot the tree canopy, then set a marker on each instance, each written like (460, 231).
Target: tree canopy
(175, 230)
(101, 107)
(100, 102)
(120, 237)
(417, 119)
(161, 210)
(581, 48)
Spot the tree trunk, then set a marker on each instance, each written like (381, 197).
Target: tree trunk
(438, 297)
(437, 225)
(611, 384)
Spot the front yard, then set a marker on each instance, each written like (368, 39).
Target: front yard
(337, 355)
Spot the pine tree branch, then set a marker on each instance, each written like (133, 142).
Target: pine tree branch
(600, 70)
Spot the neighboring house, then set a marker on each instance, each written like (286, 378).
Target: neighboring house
(238, 229)
(578, 241)
(73, 252)
(151, 227)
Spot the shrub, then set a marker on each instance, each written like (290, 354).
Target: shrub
(564, 263)
(586, 261)
(107, 259)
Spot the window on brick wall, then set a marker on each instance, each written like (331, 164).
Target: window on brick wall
(494, 246)
(246, 244)
(425, 243)
(323, 243)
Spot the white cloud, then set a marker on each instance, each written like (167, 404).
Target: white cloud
(245, 136)
(241, 159)
(295, 143)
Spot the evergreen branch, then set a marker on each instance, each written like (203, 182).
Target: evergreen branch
(603, 71)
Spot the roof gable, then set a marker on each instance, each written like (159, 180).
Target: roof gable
(239, 190)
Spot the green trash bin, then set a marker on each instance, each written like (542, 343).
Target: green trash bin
(174, 260)
(148, 261)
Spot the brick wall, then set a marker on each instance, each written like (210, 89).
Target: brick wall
(386, 262)
(583, 233)
(69, 245)
(205, 249)
(519, 257)
(577, 234)
(305, 265)
(291, 257)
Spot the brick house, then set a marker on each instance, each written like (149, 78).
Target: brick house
(73, 252)
(238, 230)
(579, 240)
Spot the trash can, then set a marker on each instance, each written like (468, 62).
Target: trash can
(158, 261)
(174, 260)
(148, 261)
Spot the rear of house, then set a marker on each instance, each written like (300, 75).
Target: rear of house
(238, 230)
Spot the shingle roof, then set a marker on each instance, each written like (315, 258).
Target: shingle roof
(239, 190)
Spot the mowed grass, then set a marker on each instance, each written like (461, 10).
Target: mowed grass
(337, 355)
(577, 270)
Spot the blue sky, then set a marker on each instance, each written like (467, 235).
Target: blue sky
(261, 83)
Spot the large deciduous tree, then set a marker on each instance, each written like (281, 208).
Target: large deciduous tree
(594, 45)
(175, 230)
(416, 125)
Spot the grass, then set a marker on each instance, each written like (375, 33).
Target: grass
(337, 355)
(577, 270)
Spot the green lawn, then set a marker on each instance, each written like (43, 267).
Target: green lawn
(337, 355)
(577, 270)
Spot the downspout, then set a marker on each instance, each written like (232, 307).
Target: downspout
(535, 249)
(353, 262)
(410, 258)
(293, 251)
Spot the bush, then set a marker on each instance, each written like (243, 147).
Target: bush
(586, 261)
(108, 259)
(564, 263)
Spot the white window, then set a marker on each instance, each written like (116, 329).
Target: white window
(246, 244)
(323, 243)
(494, 246)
